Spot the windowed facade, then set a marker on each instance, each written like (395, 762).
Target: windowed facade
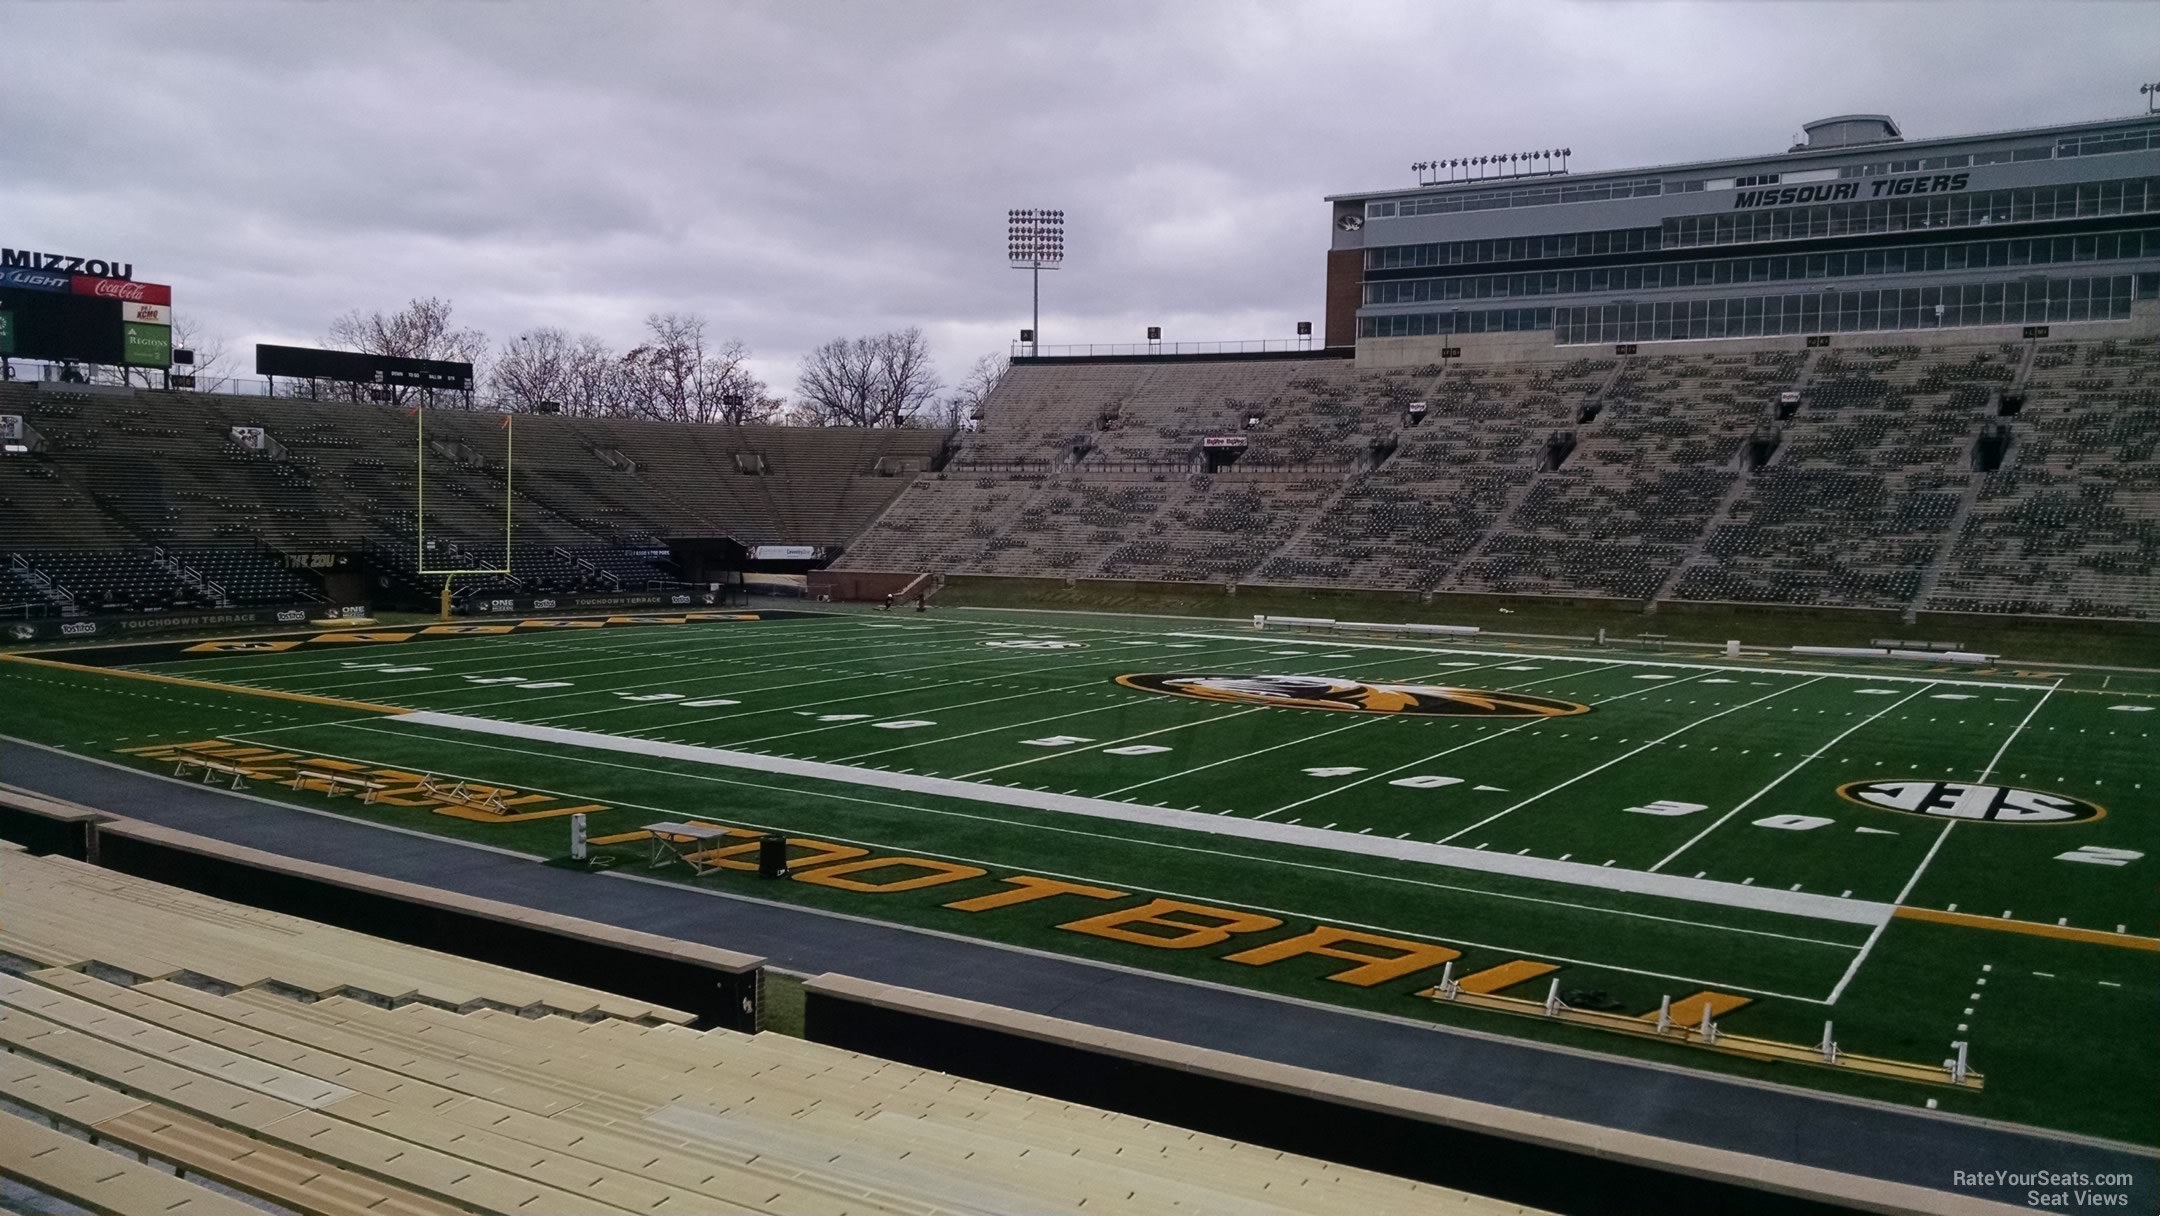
(1514, 249)
(1722, 272)
(2016, 302)
(1457, 321)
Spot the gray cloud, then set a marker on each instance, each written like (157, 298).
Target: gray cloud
(802, 170)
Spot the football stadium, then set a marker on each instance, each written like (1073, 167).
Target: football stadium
(1652, 708)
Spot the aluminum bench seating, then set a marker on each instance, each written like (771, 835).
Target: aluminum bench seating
(202, 1149)
(51, 1163)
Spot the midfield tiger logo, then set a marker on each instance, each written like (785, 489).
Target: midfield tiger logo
(1353, 696)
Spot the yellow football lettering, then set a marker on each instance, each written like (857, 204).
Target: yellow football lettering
(1506, 975)
(1375, 969)
(1184, 934)
(940, 873)
(821, 852)
(1688, 1010)
(1026, 889)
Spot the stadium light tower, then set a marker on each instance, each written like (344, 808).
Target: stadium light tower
(1035, 241)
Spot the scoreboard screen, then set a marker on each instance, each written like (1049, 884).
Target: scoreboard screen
(81, 319)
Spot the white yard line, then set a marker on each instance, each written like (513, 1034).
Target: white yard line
(1794, 903)
(1201, 768)
(917, 711)
(675, 646)
(2030, 714)
(682, 657)
(331, 660)
(1485, 738)
(1521, 655)
(1804, 761)
(1146, 734)
(826, 657)
(1626, 754)
(1852, 969)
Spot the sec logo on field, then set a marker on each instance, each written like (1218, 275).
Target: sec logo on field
(1033, 644)
(1971, 800)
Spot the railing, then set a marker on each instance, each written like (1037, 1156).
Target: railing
(1256, 346)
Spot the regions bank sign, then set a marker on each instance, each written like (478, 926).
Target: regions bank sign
(1849, 191)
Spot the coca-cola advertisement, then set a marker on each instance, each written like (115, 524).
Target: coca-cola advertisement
(126, 290)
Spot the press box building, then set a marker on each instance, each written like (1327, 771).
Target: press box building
(1854, 231)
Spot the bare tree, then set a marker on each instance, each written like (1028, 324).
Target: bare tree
(882, 380)
(675, 376)
(964, 403)
(421, 330)
(211, 353)
(534, 367)
(594, 384)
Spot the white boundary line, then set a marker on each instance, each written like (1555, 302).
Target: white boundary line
(1795, 903)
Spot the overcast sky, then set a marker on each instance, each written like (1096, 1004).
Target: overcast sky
(802, 170)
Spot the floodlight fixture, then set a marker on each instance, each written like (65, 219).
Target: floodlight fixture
(1035, 242)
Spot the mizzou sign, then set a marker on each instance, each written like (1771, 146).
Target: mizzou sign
(1352, 696)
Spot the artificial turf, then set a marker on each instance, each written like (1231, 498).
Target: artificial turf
(1759, 746)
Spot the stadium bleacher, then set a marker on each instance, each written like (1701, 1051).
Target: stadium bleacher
(169, 1052)
(1635, 478)
(141, 501)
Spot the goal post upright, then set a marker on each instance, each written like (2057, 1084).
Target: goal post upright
(420, 555)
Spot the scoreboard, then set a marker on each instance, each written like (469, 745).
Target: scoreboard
(79, 318)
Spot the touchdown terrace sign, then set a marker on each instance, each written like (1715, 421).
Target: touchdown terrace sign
(31, 259)
(1849, 191)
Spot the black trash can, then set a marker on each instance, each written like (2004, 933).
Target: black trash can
(772, 857)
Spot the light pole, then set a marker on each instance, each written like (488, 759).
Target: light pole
(1035, 241)
(2152, 96)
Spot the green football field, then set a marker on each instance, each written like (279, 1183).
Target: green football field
(1917, 854)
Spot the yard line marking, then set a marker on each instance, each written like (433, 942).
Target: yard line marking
(1018, 724)
(1032, 692)
(1109, 743)
(1227, 760)
(949, 658)
(1637, 750)
(130, 674)
(824, 657)
(1853, 968)
(279, 666)
(1803, 904)
(1806, 760)
(2018, 730)
(1518, 656)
